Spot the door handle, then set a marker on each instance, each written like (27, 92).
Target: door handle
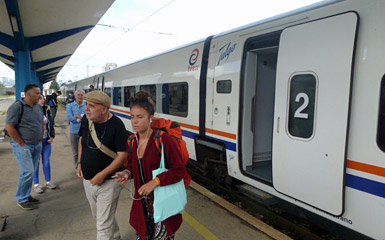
(278, 124)
(252, 124)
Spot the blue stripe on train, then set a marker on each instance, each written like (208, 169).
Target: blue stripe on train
(121, 115)
(366, 185)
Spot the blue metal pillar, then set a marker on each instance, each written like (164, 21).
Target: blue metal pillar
(22, 70)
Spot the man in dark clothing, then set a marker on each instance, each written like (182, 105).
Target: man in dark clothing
(96, 164)
(53, 104)
(24, 124)
(70, 98)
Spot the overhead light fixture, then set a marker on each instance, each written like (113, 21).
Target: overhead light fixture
(15, 25)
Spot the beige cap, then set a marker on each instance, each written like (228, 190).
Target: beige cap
(98, 97)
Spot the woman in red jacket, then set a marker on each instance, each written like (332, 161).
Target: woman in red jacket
(142, 159)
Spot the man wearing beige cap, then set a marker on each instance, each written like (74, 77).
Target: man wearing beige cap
(102, 152)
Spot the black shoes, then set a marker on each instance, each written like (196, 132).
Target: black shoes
(27, 206)
(32, 200)
(30, 204)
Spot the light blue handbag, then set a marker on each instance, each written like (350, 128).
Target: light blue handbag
(169, 200)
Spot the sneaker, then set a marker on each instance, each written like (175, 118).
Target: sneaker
(27, 206)
(38, 189)
(33, 200)
(50, 185)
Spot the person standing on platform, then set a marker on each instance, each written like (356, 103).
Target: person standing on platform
(75, 112)
(102, 152)
(24, 124)
(48, 136)
(70, 98)
(92, 88)
(143, 158)
(53, 104)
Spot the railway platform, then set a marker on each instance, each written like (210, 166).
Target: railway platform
(64, 213)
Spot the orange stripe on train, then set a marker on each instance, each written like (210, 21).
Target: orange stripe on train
(366, 168)
(119, 110)
(196, 128)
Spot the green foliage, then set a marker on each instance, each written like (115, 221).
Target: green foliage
(54, 85)
(1, 85)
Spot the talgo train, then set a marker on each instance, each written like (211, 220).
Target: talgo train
(293, 106)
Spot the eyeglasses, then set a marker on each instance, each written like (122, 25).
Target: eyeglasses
(101, 138)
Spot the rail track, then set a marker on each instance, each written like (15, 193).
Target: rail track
(293, 221)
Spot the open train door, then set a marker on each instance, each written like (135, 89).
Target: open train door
(314, 74)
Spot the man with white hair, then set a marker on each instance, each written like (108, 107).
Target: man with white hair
(102, 152)
(75, 112)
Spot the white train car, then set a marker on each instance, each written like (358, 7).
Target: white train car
(292, 105)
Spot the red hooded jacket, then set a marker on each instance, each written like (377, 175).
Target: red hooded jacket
(151, 161)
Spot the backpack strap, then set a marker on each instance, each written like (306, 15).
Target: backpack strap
(158, 139)
(130, 142)
(21, 115)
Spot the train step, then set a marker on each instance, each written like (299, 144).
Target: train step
(257, 194)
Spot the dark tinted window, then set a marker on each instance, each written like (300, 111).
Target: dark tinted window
(381, 118)
(175, 99)
(129, 95)
(302, 105)
(117, 97)
(150, 89)
(107, 91)
(224, 86)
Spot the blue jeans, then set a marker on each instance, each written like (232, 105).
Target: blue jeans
(45, 156)
(27, 157)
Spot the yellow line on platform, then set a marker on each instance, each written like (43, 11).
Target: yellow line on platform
(202, 230)
(258, 224)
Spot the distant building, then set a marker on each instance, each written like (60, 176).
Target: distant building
(6, 81)
(7, 91)
(109, 66)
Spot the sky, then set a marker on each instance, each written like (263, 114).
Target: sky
(142, 28)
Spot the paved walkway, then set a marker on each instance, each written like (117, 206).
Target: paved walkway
(64, 213)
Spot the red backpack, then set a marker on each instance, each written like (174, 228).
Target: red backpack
(161, 125)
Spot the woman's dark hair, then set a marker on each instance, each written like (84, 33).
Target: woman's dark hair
(143, 100)
(43, 98)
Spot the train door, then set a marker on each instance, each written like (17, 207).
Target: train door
(311, 115)
(100, 83)
(257, 116)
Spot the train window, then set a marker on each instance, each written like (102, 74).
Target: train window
(175, 99)
(117, 97)
(381, 118)
(107, 91)
(150, 89)
(224, 86)
(129, 95)
(302, 105)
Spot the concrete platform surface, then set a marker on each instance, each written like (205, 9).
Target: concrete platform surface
(64, 213)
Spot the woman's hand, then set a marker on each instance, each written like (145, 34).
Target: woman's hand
(122, 177)
(147, 188)
(50, 140)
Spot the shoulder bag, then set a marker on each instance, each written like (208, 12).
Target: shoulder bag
(169, 200)
(102, 148)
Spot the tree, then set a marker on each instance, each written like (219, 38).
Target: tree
(54, 85)
(1, 85)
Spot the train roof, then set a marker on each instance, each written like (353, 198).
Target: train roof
(253, 24)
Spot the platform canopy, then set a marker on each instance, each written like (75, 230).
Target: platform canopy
(37, 37)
